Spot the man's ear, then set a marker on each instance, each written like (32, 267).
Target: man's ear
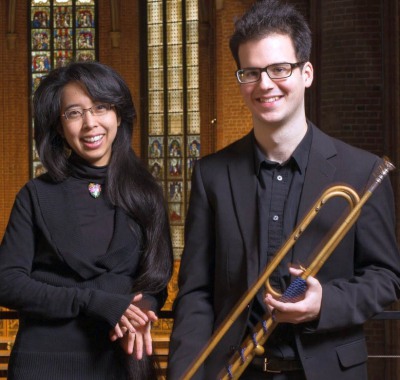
(308, 74)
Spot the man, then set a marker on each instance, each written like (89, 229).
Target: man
(246, 200)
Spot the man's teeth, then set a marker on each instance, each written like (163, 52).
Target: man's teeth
(93, 139)
(269, 100)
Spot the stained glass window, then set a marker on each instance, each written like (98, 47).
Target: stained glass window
(173, 111)
(60, 31)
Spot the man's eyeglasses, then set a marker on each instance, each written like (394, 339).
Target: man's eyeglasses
(96, 110)
(274, 71)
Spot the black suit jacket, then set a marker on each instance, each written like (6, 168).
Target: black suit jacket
(221, 259)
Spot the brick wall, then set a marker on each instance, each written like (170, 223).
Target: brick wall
(233, 117)
(125, 59)
(351, 72)
(14, 130)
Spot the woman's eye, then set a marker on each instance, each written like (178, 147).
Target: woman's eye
(74, 113)
(101, 107)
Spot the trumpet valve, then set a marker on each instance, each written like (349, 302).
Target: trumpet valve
(259, 350)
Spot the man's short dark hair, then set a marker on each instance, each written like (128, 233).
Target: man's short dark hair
(266, 17)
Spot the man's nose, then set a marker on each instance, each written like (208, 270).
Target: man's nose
(265, 80)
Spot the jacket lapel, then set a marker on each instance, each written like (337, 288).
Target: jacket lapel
(244, 190)
(319, 176)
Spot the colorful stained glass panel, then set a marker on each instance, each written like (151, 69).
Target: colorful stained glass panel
(62, 57)
(40, 17)
(63, 17)
(157, 168)
(85, 38)
(155, 147)
(85, 18)
(41, 62)
(40, 39)
(193, 146)
(175, 146)
(63, 38)
(175, 191)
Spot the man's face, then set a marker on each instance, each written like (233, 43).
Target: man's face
(277, 102)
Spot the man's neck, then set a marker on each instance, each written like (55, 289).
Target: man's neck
(279, 142)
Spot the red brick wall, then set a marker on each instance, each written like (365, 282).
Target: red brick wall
(125, 59)
(233, 117)
(351, 72)
(14, 130)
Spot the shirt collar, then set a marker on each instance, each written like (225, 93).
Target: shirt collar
(299, 158)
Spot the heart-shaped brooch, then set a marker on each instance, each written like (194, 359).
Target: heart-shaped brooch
(94, 189)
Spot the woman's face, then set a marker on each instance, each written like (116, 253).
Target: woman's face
(91, 136)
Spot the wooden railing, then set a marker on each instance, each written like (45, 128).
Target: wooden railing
(161, 342)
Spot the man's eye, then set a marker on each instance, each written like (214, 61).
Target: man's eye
(251, 73)
(278, 69)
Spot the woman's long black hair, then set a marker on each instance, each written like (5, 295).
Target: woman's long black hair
(129, 184)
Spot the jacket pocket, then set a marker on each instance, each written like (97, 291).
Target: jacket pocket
(352, 354)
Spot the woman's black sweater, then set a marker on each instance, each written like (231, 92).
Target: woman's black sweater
(68, 264)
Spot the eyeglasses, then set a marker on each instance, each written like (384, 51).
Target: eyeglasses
(96, 110)
(274, 71)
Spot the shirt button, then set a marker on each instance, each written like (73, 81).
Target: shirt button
(279, 178)
(275, 218)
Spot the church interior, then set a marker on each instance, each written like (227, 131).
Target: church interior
(175, 57)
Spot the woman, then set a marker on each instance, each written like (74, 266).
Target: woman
(86, 256)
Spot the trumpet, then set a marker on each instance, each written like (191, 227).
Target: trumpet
(253, 344)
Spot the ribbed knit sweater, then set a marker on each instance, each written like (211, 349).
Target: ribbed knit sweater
(68, 263)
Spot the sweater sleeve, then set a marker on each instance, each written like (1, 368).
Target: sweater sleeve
(19, 291)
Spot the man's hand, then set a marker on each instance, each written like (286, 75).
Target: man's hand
(304, 310)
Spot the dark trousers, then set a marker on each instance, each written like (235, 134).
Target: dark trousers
(255, 374)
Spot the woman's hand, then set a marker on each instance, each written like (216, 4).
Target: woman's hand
(134, 329)
(305, 310)
(136, 343)
(133, 315)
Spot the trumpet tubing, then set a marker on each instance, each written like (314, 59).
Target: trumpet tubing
(252, 344)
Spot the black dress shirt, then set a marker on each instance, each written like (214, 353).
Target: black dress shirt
(278, 196)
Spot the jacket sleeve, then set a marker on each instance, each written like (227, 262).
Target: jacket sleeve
(376, 280)
(193, 308)
(19, 291)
